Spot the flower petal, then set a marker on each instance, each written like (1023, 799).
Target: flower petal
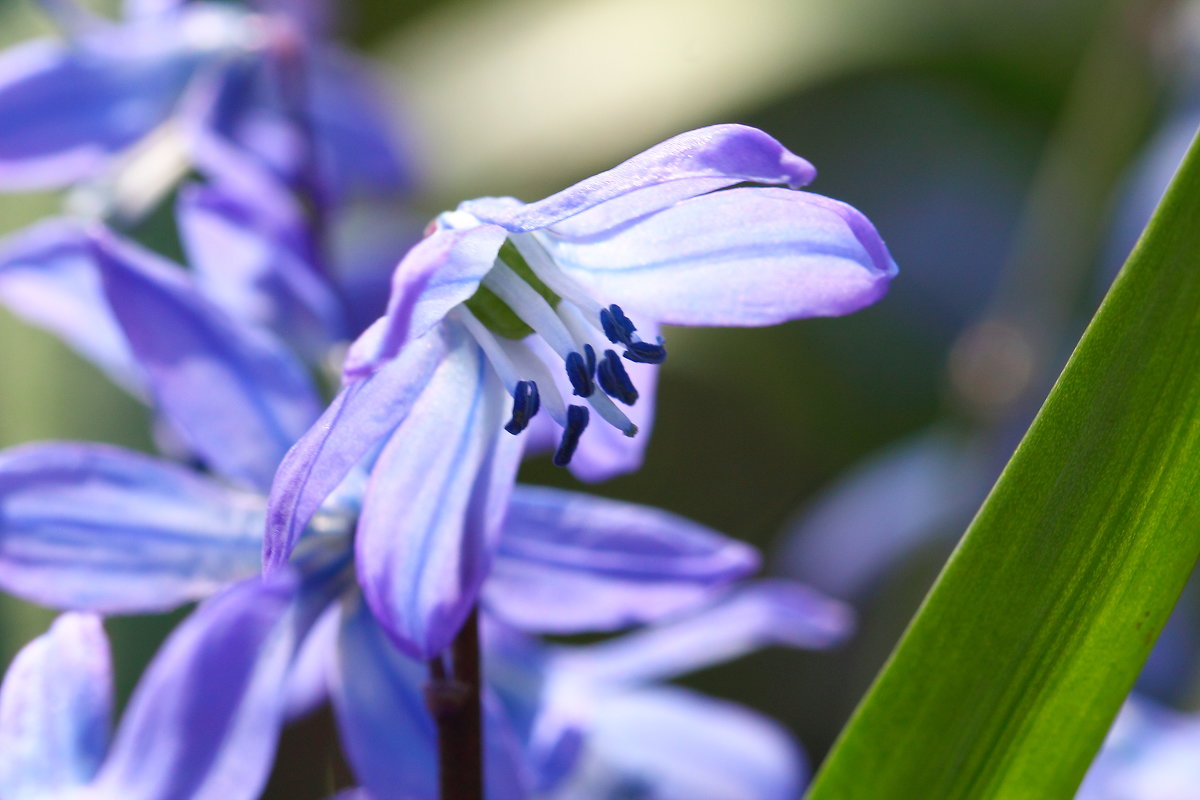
(684, 166)
(55, 710)
(781, 255)
(95, 527)
(204, 719)
(674, 743)
(308, 681)
(568, 563)
(435, 504)
(48, 278)
(68, 109)
(362, 415)
(764, 613)
(439, 272)
(389, 735)
(236, 396)
(256, 270)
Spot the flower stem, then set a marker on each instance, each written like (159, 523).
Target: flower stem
(454, 701)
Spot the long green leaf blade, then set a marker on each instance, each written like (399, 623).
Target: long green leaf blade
(1007, 680)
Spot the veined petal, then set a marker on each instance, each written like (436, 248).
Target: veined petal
(671, 744)
(255, 269)
(237, 397)
(764, 613)
(435, 504)
(55, 710)
(360, 416)
(95, 527)
(204, 719)
(48, 278)
(68, 109)
(776, 255)
(686, 165)
(569, 562)
(439, 272)
(390, 737)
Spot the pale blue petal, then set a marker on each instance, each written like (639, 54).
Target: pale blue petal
(779, 255)
(438, 273)
(95, 527)
(255, 268)
(569, 563)
(68, 109)
(48, 277)
(361, 415)
(236, 396)
(55, 710)
(920, 491)
(389, 736)
(1150, 754)
(686, 165)
(673, 744)
(764, 613)
(204, 719)
(309, 679)
(435, 503)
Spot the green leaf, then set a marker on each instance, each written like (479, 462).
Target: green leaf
(1007, 680)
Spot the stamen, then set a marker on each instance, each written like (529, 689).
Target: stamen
(495, 353)
(580, 375)
(531, 307)
(614, 380)
(529, 364)
(646, 353)
(577, 420)
(589, 353)
(609, 412)
(613, 329)
(525, 406)
(559, 282)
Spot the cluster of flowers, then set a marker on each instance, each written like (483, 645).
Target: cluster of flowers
(339, 550)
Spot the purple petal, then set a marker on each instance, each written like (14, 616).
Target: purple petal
(48, 277)
(256, 270)
(236, 396)
(361, 416)
(914, 493)
(684, 166)
(781, 255)
(90, 526)
(764, 613)
(569, 563)
(204, 719)
(351, 126)
(68, 109)
(389, 735)
(309, 679)
(435, 503)
(674, 743)
(55, 710)
(439, 272)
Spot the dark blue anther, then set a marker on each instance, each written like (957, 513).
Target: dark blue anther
(526, 403)
(614, 380)
(616, 325)
(577, 420)
(589, 355)
(646, 353)
(580, 376)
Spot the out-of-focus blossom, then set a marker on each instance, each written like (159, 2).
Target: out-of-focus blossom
(201, 723)
(123, 110)
(1150, 754)
(505, 309)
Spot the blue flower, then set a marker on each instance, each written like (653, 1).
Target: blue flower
(1150, 754)
(129, 107)
(201, 723)
(507, 310)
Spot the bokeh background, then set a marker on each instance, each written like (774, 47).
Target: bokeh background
(996, 145)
